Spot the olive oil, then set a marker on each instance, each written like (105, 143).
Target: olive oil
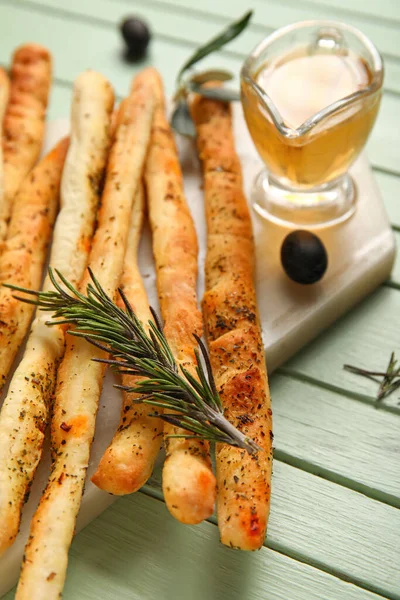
(300, 84)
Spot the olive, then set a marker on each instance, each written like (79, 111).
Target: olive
(303, 256)
(136, 35)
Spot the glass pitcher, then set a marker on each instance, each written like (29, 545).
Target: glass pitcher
(310, 95)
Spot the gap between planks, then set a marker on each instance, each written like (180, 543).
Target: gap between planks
(330, 387)
(223, 12)
(173, 7)
(329, 475)
(83, 14)
(131, 545)
(385, 20)
(329, 561)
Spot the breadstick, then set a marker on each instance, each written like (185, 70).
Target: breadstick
(233, 332)
(25, 250)
(129, 460)
(24, 120)
(4, 94)
(79, 378)
(25, 410)
(188, 481)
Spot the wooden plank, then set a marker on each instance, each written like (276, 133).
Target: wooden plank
(183, 27)
(387, 10)
(395, 277)
(392, 74)
(383, 140)
(359, 531)
(342, 439)
(389, 186)
(136, 550)
(276, 14)
(93, 46)
(373, 9)
(336, 529)
(365, 338)
(60, 101)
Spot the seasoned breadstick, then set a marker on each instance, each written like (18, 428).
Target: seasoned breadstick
(188, 481)
(129, 460)
(233, 332)
(25, 410)
(4, 94)
(25, 250)
(79, 379)
(24, 120)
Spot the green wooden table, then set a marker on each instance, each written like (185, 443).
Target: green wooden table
(334, 530)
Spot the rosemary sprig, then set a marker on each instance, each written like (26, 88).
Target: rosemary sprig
(181, 120)
(190, 403)
(389, 380)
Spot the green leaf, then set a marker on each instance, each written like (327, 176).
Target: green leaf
(181, 120)
(211, 75)
(232, 31)
(217, 93)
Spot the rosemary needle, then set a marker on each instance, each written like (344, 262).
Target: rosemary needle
(186, 401)
(389, 380)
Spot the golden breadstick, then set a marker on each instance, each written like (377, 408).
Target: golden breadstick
(188, 481)
(25, 411)
(129, 460)
(4, 94)
(79, 379)
(24, 120)
(233, 332)
(25, 250)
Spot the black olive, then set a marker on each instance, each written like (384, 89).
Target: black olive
(303, 256)
(136, 35)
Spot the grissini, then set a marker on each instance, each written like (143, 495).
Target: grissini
(4, 94)
(233, 332)
(129, 460)
(24, 121)
(79, 379)
(188, 481)
(25, 411)
(25, 250)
